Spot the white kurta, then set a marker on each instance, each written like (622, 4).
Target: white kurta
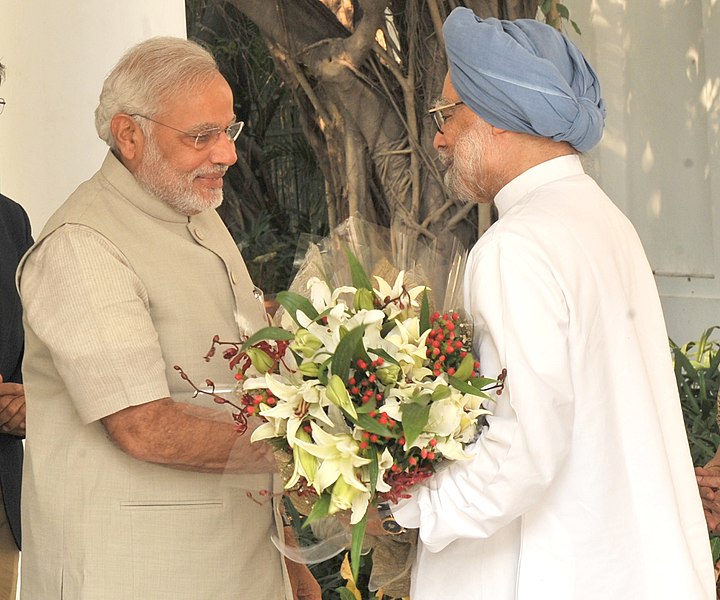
(582, 485)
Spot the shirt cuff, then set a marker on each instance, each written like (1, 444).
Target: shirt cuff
(407, 513)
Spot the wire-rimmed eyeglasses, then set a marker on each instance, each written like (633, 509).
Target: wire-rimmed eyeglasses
(2, 105)
(437, 114)
(204, 139)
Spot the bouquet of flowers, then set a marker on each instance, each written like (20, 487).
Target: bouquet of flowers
(366, 385)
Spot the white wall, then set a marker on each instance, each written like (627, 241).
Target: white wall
(57, 54)
(659, 66)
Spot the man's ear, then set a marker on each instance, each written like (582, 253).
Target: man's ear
(129, 139)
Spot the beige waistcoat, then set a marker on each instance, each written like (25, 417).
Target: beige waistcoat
(98, 524)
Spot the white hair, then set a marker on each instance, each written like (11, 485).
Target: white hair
(149, 76)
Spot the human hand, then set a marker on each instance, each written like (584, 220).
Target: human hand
(12, 408)
(250, 457)
(708, 479)
(303, 583)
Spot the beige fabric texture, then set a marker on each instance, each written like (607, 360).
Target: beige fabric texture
(117, 290)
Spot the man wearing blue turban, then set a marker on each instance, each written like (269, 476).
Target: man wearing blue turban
(582, 486)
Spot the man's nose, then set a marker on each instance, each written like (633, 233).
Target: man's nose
(224, 151)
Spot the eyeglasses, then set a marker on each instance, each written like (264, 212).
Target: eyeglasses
(208, 137)
(437, 114)
(2, 105)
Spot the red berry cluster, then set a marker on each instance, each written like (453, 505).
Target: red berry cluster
(448, 344)
(363, 384)
(251, 401)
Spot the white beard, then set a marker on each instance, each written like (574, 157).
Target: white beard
(466, 178)
(173, 187)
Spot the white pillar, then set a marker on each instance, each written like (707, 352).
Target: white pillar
(57, 55)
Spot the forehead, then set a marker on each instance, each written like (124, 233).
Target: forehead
(210, 102)
(448, 91)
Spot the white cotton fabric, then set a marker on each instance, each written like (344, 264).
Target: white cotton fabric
(582, 486)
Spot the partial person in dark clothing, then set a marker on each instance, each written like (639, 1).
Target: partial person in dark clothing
(14, 241)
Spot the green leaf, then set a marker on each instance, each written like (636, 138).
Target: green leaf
(564, 12)
(371, 425)
(440, 392)
(414, 418)
(293, 302)
(466, 367)
(345, 351)
(366, 407)
(465, 387)
(546, 5)
(323, 376)
(385, 355)
(320, 509)
(374, 472)
(358, 535)
(267, 333)
(575, 27)
(425, 311)
(715, 547)
(360, 278)
(344, 593)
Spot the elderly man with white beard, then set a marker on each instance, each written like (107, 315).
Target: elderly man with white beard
(132, 490)
(581, 486)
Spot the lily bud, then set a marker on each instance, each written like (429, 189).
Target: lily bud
(337, 394)
(309, 369)
(305, 343)
(388, 374)
(260, 360)
(342, 496)
(364, 299)
(305, 463)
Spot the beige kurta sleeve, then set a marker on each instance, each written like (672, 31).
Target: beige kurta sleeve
(92, 311)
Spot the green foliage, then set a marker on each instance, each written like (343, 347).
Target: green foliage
(555, 13)
(269, 245)
(698, 379)
(327, 573)
(275, 193)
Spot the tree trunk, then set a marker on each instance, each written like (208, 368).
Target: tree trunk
(363, 74)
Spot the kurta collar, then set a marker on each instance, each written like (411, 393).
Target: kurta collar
(123, 180)
(533, 178)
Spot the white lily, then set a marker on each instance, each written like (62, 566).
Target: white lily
(322, 297)
(296, 397)
(444, 418)
(407, 298)
(345, 496)
(339, 455)
(452, 449)
(328, 333)
(384, 464)
(407, 345)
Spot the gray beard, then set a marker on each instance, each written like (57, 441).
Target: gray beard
(465, 177)
(175, 189)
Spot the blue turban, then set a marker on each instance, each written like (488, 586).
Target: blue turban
(524, 76)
